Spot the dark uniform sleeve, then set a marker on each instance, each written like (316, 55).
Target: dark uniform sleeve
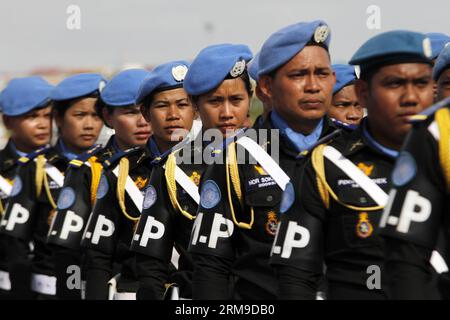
(100, 239)
(298, 250)
(153, 240)
(412, 219)
(66, 230)
(212, 238)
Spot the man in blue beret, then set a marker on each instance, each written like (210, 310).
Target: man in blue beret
(330, 214)
(26, 115)
(415, 222)
(345, 105)
(295, 73)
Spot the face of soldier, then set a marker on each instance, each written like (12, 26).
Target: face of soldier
(31, 130)
(443, 85)
(80, 126)
(301, 90)
(171, 115)
(392, 96)
(129, 125)
(226, 107)
(345, 106)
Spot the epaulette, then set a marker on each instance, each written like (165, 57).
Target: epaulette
(119, 155)
(162, 157)
(78, 162)
(428, 112)
(342, 125)
(34, 154)
(238, 134)
(324, 139)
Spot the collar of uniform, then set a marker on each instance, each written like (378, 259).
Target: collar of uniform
(151, 144)
(64, 151)
(286, 146)
(9, 156)
(371, 142)
(108, 151)
(54, 155)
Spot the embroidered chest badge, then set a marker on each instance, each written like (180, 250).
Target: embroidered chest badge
(364, 228)
(195, 177)
(140, 182)
(272, 222)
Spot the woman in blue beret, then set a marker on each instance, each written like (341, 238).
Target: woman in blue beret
(110, 265)
(118, 110)
(26, 113)
(220, 90)
(32, 204)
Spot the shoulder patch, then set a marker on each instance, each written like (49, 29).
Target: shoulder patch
(150, 197)
(210, 195)
(405, 169)
(119, 155)
(17, 186)
(66, 198)
(103, 187)
(288, 198)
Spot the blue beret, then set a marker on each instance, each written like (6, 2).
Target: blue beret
(393, 47)
(78, 85)
(344, 75)
(214, 64)
(284, 44)
(253, 67)
(22, 95)
(165, 76)
(442, 62)
(123, 88)
(438, 42)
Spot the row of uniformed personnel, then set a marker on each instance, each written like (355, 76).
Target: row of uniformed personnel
(245, 226)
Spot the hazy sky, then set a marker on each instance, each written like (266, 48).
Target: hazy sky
(34, 33)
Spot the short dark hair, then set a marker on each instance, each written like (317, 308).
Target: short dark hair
(62, 106)
(245, 78)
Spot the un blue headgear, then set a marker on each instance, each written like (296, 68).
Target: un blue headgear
(78, 86)
(254, 67)
(284, 44)
(345, 75)
(166, 76)
(22, 95)
(442, 63)
(123, 88)
(213, 65)
(438, 42)
(392, 47)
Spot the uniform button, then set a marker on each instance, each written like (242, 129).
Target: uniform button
(185, 208)
(269, 198)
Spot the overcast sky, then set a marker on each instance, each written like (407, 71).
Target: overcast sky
(33, 34)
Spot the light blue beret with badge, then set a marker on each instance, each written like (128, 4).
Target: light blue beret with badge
(123, 88)
(393, 47)
(284, 44)
(78, 85)
(345, 75)
(442, 63)
(438, 42)
(22, 95)
(166, 76)
(253, 67)
(214, 64)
